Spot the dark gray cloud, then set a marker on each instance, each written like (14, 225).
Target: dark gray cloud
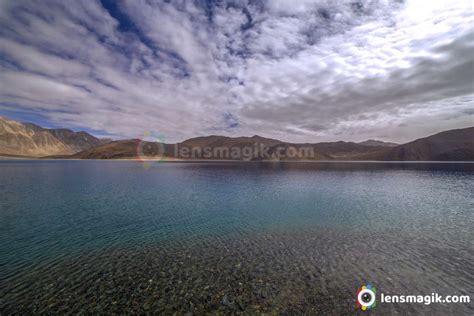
(297, 70)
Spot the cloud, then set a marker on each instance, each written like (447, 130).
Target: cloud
(300, 71)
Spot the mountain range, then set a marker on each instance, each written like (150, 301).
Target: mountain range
(373, 142)
(30, 140)
(27, 139)
(452, 145)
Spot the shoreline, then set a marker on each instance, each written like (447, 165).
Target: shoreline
(173, 160)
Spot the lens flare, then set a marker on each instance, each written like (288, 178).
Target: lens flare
(150, 149)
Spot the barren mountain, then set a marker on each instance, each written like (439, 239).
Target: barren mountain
(454, 145)
(377, 143)
(120, 149)
(223, 141)
(229, 148)
(27, 139)
(78, 141)
(448, 145)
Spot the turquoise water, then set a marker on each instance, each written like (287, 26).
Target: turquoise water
(404, 219)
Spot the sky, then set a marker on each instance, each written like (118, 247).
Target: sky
(300, 71)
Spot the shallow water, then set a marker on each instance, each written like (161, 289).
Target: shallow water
(118, 236)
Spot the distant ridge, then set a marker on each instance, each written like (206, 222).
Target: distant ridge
(452, 145)
(456, 145)
(373, 142)
(26, 139)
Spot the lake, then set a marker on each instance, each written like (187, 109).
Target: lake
(290, 238)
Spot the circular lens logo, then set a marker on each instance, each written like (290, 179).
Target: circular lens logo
(366, 297)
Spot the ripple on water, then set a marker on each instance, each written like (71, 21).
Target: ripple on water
(100, 237)
(307, 271)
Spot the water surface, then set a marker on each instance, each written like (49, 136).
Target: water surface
(105, 236)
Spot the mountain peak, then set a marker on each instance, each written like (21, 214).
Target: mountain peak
(28, 139)
(377, 143)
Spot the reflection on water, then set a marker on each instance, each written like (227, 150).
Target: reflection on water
(100, 236)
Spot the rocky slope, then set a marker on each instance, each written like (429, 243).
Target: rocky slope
(449, 145)
(452, 145)
(253, 148)
(26, 139)
(377, 143)
(77, 141)
(123, 149)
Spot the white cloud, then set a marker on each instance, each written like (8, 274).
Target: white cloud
(309, 71)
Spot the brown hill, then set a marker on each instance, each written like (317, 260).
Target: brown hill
(228, 148)
(209, 147)
(449, 145)
(377, 143)
(78, 141)
(223, 141)
(345, 150)
(29, 140)
(26, 139)
(452, 145)
(124, 149)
